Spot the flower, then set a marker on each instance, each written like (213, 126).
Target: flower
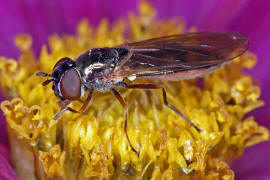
(56, 157)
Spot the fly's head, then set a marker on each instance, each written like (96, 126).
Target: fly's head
(66, 79)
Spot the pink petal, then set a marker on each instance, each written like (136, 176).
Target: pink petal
(254, 164)
(6, 170)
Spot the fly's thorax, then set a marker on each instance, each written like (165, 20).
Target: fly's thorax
(97, 56)
(96, 63)
(105, 56)
(97, 67)
(99, 76)
(101, 85)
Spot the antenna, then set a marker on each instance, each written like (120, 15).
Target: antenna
(47, 82)
(43, 74)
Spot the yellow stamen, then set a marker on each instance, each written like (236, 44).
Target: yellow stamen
(93, 144)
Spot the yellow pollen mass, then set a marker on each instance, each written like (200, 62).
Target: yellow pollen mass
(92, 145)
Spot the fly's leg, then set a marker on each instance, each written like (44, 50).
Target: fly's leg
(157, 86)
(121, 100)
(82, 109)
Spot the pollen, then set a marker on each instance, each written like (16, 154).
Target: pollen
(92, 145)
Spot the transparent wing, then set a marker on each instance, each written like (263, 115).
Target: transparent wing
(191, 51)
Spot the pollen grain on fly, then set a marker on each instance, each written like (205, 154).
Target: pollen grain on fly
(93, 144)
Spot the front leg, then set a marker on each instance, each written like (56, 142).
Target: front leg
(63, 105)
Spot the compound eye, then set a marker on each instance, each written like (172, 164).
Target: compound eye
(70, 85)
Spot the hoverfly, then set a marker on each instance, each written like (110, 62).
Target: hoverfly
(169, 58)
